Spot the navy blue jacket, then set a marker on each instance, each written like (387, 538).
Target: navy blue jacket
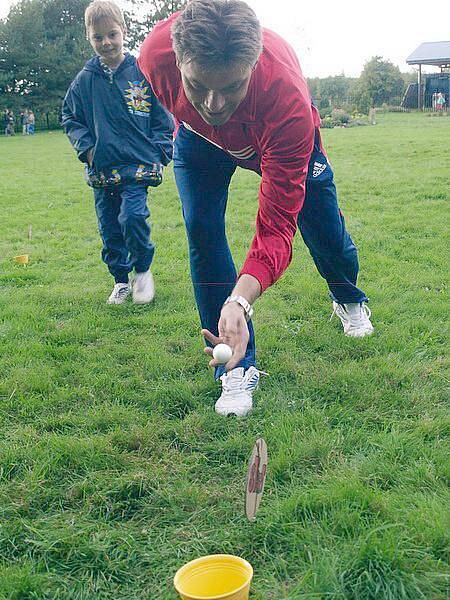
(120, 118)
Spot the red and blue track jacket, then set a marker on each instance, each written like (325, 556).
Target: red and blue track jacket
(271, 132)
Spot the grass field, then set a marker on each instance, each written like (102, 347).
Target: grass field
(114, 468)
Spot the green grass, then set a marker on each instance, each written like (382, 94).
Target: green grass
(114, 468)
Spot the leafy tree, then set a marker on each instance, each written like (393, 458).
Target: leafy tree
(330, 92)
(335, 89)
(313, 85)
(381, 81)
(410, 77)
(359, 98)
(42, 47)
(143, 15)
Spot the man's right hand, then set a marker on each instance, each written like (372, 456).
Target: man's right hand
(233, 330)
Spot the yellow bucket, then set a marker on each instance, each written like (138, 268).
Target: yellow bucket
(215, 577)
(22, 259)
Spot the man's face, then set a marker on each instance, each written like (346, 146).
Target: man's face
(215, 93)
(106, 38)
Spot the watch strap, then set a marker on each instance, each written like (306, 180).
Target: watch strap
(248, 308)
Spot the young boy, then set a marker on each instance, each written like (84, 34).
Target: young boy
(124, 136)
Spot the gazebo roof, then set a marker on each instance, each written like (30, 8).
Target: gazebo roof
(431, 53)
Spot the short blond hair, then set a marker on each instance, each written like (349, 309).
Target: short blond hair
(101, 10)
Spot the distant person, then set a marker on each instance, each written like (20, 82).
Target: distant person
(12, 123)
(124, 136)
(240, 96)
(372, 116)
(433, 100)
(30, 122)
(6, 122)
(9, 123)
(440, 101)
(24, 121)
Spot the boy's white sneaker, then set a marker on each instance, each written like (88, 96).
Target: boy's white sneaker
(120, 293)
(355, 318)
(143, 288)
(237, 390)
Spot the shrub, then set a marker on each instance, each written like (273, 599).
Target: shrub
(324, 104)
(340, 116)
(325, 112)
(337, 118)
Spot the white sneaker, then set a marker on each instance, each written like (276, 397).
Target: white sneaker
(355, 318)
(143, 288)
(237, 390)
(120, 293)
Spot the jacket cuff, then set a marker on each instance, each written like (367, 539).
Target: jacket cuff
(82, 154)
(259, 271)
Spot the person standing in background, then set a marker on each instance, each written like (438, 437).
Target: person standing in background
(30, 122)
(24, 121)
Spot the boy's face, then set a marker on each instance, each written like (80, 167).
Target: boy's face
(106, 38)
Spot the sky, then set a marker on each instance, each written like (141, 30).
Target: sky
(332, 37)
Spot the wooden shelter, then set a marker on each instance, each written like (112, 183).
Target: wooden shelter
(429, 53)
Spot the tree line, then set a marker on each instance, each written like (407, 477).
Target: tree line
(380, 82)
(43, 45)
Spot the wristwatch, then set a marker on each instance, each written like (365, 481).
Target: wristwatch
(248, 308)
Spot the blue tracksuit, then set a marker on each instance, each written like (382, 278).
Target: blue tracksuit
(118, 117)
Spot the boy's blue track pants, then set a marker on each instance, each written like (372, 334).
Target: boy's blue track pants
(122, 214)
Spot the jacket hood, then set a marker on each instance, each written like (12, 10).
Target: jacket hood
(94, 64)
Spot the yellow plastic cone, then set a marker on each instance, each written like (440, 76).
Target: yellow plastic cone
(22, 259)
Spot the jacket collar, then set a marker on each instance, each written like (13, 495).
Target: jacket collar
(94, 64)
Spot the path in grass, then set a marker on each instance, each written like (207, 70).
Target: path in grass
(114, 469)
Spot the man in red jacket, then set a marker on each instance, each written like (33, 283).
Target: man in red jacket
(239, 96)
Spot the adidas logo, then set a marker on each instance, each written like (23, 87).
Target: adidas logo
(318, 168)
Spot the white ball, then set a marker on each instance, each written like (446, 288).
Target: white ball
(222, 353)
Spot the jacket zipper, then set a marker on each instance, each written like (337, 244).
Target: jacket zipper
(219, 137)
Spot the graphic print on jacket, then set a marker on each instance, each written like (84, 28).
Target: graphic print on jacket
(137, 98)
